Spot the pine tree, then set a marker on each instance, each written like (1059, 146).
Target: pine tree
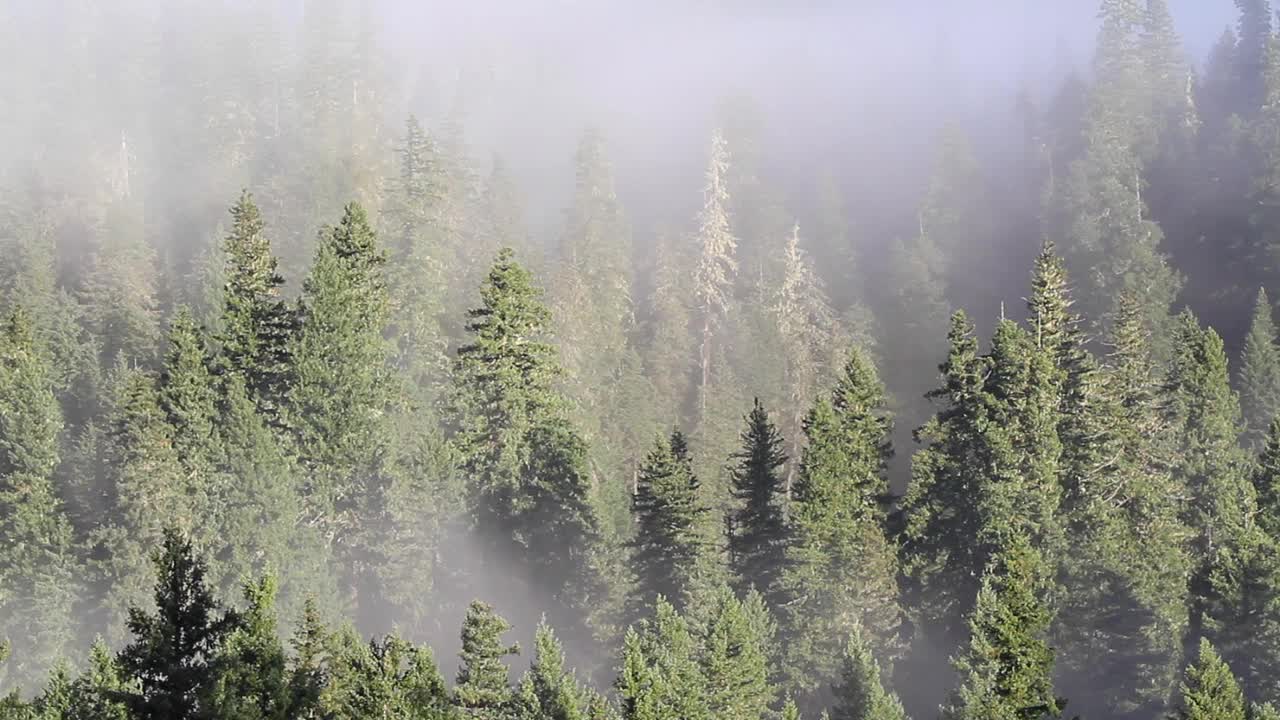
(174, 650)
(95, 695)
(809, 333)
(121, 291)
(143, 488)
(256, 325)
(1210, 691)
(1131, 561)
(758, 530)
(338, 404)
(840, 567)
(249, 670)
(672, 548)
(483, 687)
(308, 671)
(548, 691)
(385, 678)
(942, 516)
(1256, 42)
(417, 276)
(860, 694)
(669, 348)
(1007, 670)
(38, 565)
(660, 678)
(1259, 380)
(736, 653)
(529, 489)
(716, 267)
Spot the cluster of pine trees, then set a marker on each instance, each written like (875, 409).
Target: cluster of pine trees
(680, 455)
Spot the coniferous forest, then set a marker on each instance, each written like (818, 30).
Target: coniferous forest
(346, 374)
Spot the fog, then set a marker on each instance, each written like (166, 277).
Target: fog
(144, 120)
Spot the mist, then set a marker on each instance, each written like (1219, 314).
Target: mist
(257, 297)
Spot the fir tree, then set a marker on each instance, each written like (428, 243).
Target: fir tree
(173, 651)
(660, 678)
(1259, 380)
(338, 404)
(672, 549)
(861, 694)
(840, 567)
(549, 691)
(38, 565)
(250, 666)
(736, 645)
(95, 695)
(1008, 668)
(758, 534)
(1210, 691)
(483, 687)
(256, 326)
(385, 678)
(716, 267)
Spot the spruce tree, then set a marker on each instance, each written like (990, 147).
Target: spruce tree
(1259, 379)
(417, 275)
(483, 687)
(338, 403)
(861, 694)
(660, 678)
(249, 670)
(38, 565)
(1131, 560)
(758, 532)
(1007, 670)
(386, 677)
(1210, 691)
(840, 567)
(173, 652)
(121, 290)
(672, 549)
(95, 695)
(549, 691)
(736, 651)
(716, 268)
(528, 489)
(256, 325)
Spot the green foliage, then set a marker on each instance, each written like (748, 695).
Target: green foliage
(484, 688)
(173, 653)
(1007, 670)
(840, 568)
(736, 652)
(672, 549)
(1259, 380)
(1210, 691)
(250, 666)
(38, 567)
(660, 678)
(758, 533)
(861, 694)
(549, 691)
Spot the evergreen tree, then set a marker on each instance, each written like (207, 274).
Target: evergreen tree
(758, 530)
(338, 404)
(173, 652)
(840, 567)
(716, 266)
(736, 649)
(1259, 380)
(95, 695)
(1131, 561)
(483, 687)
(120, 290)
(143, 489)
(256, 325)
(38, 564)
(1007, 670)
(660, 678)
(250, 666)
(861, 694)
(529, 487)
(1210, 691)
(548, 691)
(387, 678)
(672, 548)
(417, 276)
